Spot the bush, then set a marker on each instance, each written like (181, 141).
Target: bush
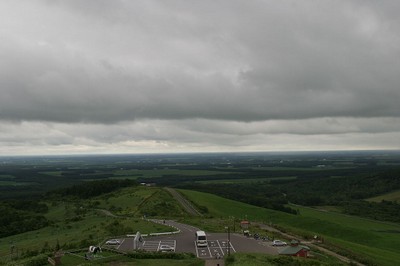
(229, 260)
(37, 261)
(159, 255)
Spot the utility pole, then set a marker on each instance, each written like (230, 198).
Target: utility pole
(229, 241)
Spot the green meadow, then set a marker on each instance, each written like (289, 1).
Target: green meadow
(79, 222)
(14, 183)
(376, 241)
(392, 196)
(92, 230)
(139, 201)
(245, 180)
(133, 173)
(255, 259)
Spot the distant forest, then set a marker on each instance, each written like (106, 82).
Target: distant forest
(270, 180)
(346, 192)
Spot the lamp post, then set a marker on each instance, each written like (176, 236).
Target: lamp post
(229, 241)
(233, 220)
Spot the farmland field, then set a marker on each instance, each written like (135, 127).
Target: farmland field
(245, 180)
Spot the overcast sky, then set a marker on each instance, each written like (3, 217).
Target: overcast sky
(101, 76)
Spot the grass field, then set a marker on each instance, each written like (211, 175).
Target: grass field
(245, 180)
(254, 259)
(127, 201)
(7, 176)
(374, 240)
(14, 183)
(392, 196)
(70, 260)
(139, 201)
(91, 230)
(162, 172)
(92, 226)
(52, 173)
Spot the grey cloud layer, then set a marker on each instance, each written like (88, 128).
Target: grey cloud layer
(198, 135)
(96, 62)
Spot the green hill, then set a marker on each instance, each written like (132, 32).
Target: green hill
(76, 222)
(375, 241)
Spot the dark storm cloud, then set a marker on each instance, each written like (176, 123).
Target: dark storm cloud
(110, 61)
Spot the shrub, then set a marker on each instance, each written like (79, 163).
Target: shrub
(38, 260)
(159, 255)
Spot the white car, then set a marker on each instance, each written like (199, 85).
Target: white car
(165, 248)
(113, 242)
(278, 243)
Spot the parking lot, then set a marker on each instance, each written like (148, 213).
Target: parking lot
(215, 249)
(158, 245)
(185, 242)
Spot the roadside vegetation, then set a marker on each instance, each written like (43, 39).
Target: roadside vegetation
(251, 259)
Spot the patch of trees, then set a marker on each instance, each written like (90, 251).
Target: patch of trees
(383, 211)
(21, 219)
(93, 188)
(27, 205)
(334, 191)
(346, 191)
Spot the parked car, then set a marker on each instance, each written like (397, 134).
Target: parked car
(113, 242)
(278, 243)
(165, 248)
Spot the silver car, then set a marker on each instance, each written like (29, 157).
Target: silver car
(165, 248)
(278, 243)
(113, 242)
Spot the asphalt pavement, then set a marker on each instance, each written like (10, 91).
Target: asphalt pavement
(184, 241)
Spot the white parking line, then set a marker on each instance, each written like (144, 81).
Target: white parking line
(197, 250)
(223, 254)
(123, 240)
(209, 251)
(155, 245)
(230, 243)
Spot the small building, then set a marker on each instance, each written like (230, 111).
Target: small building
(295, 249)
(244, 224)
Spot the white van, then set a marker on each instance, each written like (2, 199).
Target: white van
(201, 239)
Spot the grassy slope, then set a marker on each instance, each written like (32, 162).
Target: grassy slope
(152, 201)
(92, 227)
(108, 258)
(392, 196)
(373, 240)
(255, 259)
